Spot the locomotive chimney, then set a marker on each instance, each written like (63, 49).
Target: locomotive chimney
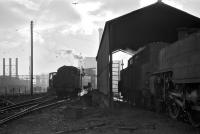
(182, 33)
(185, 32)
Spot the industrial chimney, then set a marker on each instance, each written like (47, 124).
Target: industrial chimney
(16, 67)
(100, 34)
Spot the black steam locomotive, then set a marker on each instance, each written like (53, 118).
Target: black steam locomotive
(165, 77)
(65, 82)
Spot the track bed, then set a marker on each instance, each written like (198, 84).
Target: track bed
(74, 117)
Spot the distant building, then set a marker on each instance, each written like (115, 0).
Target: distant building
(89, 66)
(42, 82)
(11, 85)
(14, 85)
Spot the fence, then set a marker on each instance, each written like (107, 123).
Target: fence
(12, 86)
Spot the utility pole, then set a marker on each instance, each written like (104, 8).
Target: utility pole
(4, 67)
(31, 66)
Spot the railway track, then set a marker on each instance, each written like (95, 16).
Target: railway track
(5, 102)
(21, 104)
(16, 111)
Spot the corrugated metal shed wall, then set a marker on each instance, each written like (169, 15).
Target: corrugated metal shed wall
(103, 64)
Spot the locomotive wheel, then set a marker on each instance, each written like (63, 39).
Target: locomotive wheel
(194, 118)
(174, 110)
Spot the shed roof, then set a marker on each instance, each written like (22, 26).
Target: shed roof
(154, 23)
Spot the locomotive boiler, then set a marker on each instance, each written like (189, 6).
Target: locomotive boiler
(166, 77)
(65, 82)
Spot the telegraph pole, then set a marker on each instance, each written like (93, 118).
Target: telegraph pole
(31, 66)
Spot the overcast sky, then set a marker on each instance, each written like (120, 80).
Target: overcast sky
(63, 32)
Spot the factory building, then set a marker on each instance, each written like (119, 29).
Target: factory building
(11, 83)
(158, 22)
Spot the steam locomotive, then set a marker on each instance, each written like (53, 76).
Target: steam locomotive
(65, 82)
(165, 78)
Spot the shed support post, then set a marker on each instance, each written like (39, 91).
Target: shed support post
(110, 81)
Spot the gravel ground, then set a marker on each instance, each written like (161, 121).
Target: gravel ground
(81, 119)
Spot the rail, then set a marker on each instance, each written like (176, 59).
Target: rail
(37, 106)
(21, 104)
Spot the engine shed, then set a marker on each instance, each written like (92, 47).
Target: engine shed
(158, 22)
